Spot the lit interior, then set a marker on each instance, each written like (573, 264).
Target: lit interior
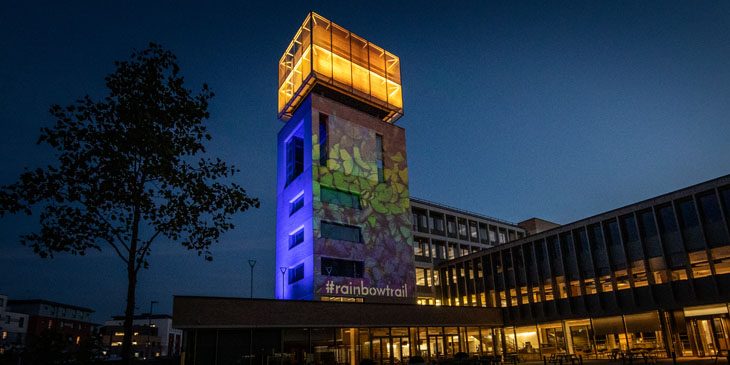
(324, 51)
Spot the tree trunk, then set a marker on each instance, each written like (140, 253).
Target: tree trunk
(127, 357)
(129, 314)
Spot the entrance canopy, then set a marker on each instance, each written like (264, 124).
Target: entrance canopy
(190, 312)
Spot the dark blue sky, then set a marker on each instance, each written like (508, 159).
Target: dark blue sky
(512, 109)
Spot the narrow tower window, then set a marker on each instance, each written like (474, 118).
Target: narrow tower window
(296, 238)
(323, 149)
(294, 158)
(296, 274)
(379, 149)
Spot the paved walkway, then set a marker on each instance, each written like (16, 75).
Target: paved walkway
(682, 360)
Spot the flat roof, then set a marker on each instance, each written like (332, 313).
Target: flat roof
(12, 302)
(190, 312)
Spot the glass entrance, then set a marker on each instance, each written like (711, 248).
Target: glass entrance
(382, 353)
(436, 346)
(710, 334)
(400, 350)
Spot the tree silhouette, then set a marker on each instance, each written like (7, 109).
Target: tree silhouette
(131, 171)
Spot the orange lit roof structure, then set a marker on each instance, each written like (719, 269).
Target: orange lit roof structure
(327, 56)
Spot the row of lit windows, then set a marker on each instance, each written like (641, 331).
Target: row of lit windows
(657, 245)
(433, 222)
(440, 249)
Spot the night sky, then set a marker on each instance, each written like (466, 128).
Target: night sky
(512, 109)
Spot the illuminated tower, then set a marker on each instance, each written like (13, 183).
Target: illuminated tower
(343, 215)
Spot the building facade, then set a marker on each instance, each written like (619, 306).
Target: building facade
(343, 212)
(257, 331)
(73, 322)
(652, 276)
(443, 233)
(153, 336)
(13, 327)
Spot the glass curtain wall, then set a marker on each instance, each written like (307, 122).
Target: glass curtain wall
(341, 59)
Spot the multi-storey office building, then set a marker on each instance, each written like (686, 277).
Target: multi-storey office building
(443, 233)
(652, 275)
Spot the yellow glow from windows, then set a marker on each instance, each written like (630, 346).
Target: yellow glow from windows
(118, 333)
(332, 55)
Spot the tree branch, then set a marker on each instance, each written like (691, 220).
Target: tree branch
(113, 231)
(111, 243)
(143, 251)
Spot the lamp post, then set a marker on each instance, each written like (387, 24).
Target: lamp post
(251, 263)
(283, 271)
(149, 328)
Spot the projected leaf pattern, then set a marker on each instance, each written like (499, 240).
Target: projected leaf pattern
(385, 217)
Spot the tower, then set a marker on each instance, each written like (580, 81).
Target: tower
(343, 228)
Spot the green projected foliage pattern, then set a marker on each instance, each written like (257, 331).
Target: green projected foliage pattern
(384, 212)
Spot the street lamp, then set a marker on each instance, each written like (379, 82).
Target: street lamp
(251, 263)
(283, 271)
(149, 328)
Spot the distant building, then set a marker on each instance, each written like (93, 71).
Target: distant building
(537, 225)
(13, 327)
(69, 320)
(153, 336)
(441, 232)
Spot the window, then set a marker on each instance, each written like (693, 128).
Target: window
(502, 236)
(423, 276)
(339, 197)
(438, 223)
(439, 249)
(649, 233)
(341, 232)
(669, 233)
(699, 263)
(473, 230)
(421, 247)
(452, 251)
(323, 149)
(296, 274)
(462, 227)
(631, 237)
(712, 220)
(450, 226)
(294, 158)
(296, 238)
(341, 268)
(296, 203)
(379, 149)
(21, 322)
(492, 235)
(690, 225)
